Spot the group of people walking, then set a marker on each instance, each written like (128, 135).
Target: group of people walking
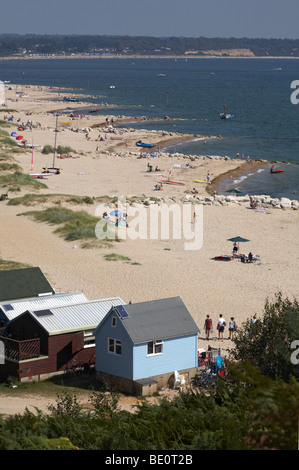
(221, 324)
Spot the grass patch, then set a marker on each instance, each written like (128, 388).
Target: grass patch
(117, 257)
(6, 123)
(10, 167)
(8, 110)
(4, 157)
(34, 199)
(73, 225)
(18, 179)
(80, 200)
(81, 385)
(5, 138)
(6, 265)
(61, 149)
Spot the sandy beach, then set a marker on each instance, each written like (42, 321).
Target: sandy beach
(158, 268)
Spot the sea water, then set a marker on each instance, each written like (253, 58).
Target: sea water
(192, 92)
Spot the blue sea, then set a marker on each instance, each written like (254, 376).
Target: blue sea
(194, 91)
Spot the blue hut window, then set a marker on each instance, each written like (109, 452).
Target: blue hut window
(114, 346)
(154, 347)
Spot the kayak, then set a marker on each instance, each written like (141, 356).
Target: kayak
(201, 181)
(142, 144)
(276, 171)
(172, 182)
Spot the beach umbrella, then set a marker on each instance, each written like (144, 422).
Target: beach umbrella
(238, 239)
(20, 137)
(116, 213)
(13, 134)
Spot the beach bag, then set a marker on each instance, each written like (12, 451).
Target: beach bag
(218, 326)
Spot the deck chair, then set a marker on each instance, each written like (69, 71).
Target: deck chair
(179, 380)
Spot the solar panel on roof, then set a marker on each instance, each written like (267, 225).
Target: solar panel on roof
(122, 311)
(8, 307)
(43, 313)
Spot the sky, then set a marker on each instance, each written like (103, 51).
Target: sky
(159, 18)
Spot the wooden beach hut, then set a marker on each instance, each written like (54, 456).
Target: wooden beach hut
(139, 347)
(51, 341)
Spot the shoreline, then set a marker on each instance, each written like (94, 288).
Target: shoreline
(45, 97)
(187, 56)
(239, 171)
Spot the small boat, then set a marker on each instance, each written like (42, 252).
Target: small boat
(40, 175)
(142, 144)
(272, 170)
(70, 99)
(30, 146)
(225, 115)
(93, 110)
(172, 182)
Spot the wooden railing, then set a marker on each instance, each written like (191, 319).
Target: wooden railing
(21, 350)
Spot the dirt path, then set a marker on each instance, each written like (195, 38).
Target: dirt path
(16, 403)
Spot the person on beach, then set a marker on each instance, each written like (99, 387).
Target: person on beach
(231, 328)
(220, 326)
(208, 325)
(235, 248)
(254, 326)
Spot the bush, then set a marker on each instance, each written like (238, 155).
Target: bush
(47, 149)
(270, 345)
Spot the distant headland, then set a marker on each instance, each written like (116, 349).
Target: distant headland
(16, 46)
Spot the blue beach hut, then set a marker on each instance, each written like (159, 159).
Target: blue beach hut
(139, 347)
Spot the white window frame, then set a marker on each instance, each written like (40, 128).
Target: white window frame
(89, 339)
(157, 347)
(115, 343)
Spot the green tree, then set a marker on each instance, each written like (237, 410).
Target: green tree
(270, 344)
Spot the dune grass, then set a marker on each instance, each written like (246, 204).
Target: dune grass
(118, 257)
(73, 225)
(5, 138)
(6, 265)
(10, 166)
(34, 199)
(62, 150)
(17, 179)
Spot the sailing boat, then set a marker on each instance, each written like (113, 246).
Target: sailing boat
(169, 181)
(37, 175)
(55, 170)
(225, 115)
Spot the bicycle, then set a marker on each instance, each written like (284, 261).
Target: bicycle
(207, 379)
(75, 368)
